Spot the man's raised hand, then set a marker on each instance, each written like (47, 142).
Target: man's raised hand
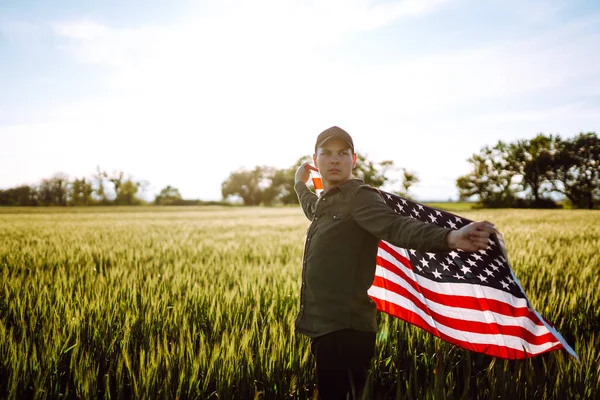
(303, 172)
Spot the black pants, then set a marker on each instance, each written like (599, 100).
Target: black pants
(342, 360)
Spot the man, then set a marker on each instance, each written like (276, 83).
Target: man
(348, 220)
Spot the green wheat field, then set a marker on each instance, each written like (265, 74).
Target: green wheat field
(199, 303)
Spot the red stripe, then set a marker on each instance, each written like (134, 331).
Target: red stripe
(491, 328)
(399, 257)
(473, 303)
(490, 349)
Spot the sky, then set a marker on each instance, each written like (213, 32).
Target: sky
(183, 93)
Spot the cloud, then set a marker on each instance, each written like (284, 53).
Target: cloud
(248, 29)
(347, 15)
(91, 42)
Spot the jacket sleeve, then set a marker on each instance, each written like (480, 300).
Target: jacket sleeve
(372, 214)
(308, 199)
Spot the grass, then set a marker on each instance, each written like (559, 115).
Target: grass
(452, 206)
(199, 302)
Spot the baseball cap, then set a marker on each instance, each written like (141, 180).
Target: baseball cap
(334, 131)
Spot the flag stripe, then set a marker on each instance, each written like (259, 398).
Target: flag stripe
(485, 323)
(496, 345)
(475, 303)
(389, 252)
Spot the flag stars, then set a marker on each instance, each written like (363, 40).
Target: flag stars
(486, 267)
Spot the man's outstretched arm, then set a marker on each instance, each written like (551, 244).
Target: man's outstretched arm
(371, 212)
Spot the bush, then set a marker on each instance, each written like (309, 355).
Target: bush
(539, 203)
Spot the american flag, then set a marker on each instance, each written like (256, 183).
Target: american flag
(470, 299)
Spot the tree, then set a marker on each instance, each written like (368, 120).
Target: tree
(81, 192)
(116, 178)
(20, 196)
(167, 196)
(492, 179)
(250, 185)
(125, 189)
(409, 179)
(575, 169)
(99, 189)
(375, 174)
(54, 191)
(127, 194)
(268, 193)
(283, 182)
(532, 160)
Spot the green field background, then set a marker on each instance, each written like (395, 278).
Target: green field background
(199, 302)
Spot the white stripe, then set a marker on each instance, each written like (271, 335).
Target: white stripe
(466, 314)
(509, 341)
(450, 288)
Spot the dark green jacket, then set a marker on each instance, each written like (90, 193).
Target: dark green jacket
(338, 265)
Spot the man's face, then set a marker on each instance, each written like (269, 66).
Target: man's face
(335, 161)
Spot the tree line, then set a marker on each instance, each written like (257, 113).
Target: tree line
(102, 188)
(525, 173)
(532, 172)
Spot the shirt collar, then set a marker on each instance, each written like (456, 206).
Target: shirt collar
(347, 185)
